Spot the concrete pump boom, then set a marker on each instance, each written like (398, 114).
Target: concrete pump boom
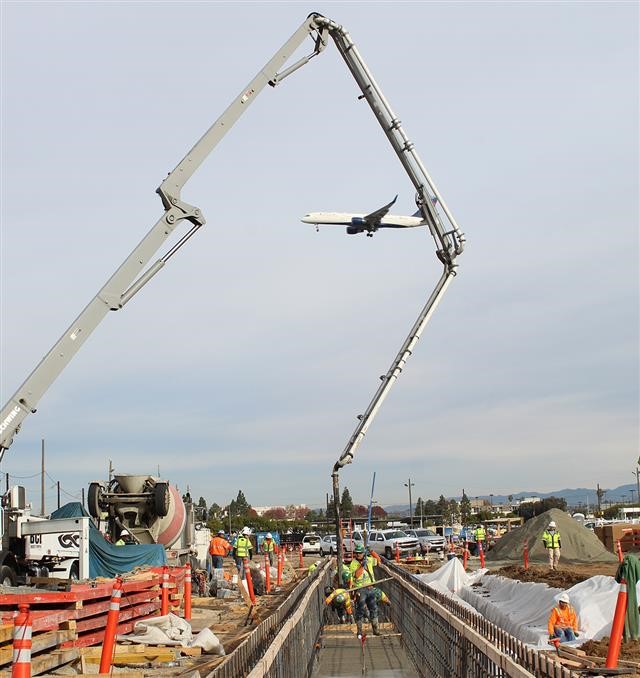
(449, 242)
(130, 278)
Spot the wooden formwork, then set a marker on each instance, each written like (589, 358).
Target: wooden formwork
(65, 621)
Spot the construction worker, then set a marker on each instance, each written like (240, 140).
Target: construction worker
(219, 547)
(563, 622)
(381, 596)
(340, 602)
(480, 536)
(361, 569)
(269, 547)
(551, 541)
(124, 539)
(242, 548)
(313, 567)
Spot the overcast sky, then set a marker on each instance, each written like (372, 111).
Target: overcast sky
(244, 363)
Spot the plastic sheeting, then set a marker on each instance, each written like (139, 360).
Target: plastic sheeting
(106, 559)
(523, 608)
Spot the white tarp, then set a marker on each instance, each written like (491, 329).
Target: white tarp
(523, 608)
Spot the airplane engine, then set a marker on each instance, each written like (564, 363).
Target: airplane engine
(352, 230)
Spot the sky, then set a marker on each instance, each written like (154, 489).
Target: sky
(244, 363)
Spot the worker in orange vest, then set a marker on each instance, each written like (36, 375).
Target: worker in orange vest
(219, 547)
(563, 622)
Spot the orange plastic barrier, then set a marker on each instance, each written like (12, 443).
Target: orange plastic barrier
(112, 627)
(267, 573)
(187, 592)
(247, 574)
(22, 643)
(615, 640)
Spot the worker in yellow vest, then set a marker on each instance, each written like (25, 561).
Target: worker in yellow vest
(551, 541)
(362, 576)
(269, 547)
(242, 548)
(480, 537)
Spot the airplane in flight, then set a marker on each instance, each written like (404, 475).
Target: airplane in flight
(359, 223)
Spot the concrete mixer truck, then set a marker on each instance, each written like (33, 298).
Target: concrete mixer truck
(153, 512)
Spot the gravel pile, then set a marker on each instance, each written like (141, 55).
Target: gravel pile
(579, 545)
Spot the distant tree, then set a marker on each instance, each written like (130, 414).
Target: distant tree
(301, 513)
(431, 508)
(465, 508)
(378, 512)
(553, 502)
(510, 498)
(418, 509)
(214, 512)
(534, 508)
(316, 515)
(346, 504)
(442, 507)
(241, 504)
(359, 511)
(277, 513)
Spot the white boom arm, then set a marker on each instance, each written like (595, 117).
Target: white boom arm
(130, 278)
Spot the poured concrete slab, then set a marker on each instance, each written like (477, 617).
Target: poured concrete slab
(343, 654)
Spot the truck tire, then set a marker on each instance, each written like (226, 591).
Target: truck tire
(161, 497)
(93, 499)
(7, 576)
(387, 553)
(74, 572)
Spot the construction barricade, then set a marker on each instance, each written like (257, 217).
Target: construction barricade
(64, 621)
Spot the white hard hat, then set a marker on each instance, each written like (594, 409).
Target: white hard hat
(552, 524)
(246, 530)
(124, 533)
(564, 598)
(268, 536)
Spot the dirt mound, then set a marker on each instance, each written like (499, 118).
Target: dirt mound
(563, 578)
(629, 650)
(579, 545)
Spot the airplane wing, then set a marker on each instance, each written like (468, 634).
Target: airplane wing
(374, 218)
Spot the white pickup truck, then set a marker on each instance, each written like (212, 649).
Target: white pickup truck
(383, 542)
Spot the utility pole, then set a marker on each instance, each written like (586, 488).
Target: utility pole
(42, 479)
(410, 485)
(636, 473)
(58, 494)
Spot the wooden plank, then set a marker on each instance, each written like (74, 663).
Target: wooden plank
(51, 660)
(39, 642)
(150, 654)
(6, 633)
(87, 639)
(142, 610)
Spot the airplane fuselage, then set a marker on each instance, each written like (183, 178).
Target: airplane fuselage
(346, 219)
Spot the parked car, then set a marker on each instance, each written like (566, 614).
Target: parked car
(351, 541)
(311, 543)
(328, 545)
(383, 542)
(429, 541)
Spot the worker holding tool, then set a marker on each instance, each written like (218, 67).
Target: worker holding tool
(551, 541)
(563, 622)
(269, 547)
(340, 602)
(362, 577)
(219, 547)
